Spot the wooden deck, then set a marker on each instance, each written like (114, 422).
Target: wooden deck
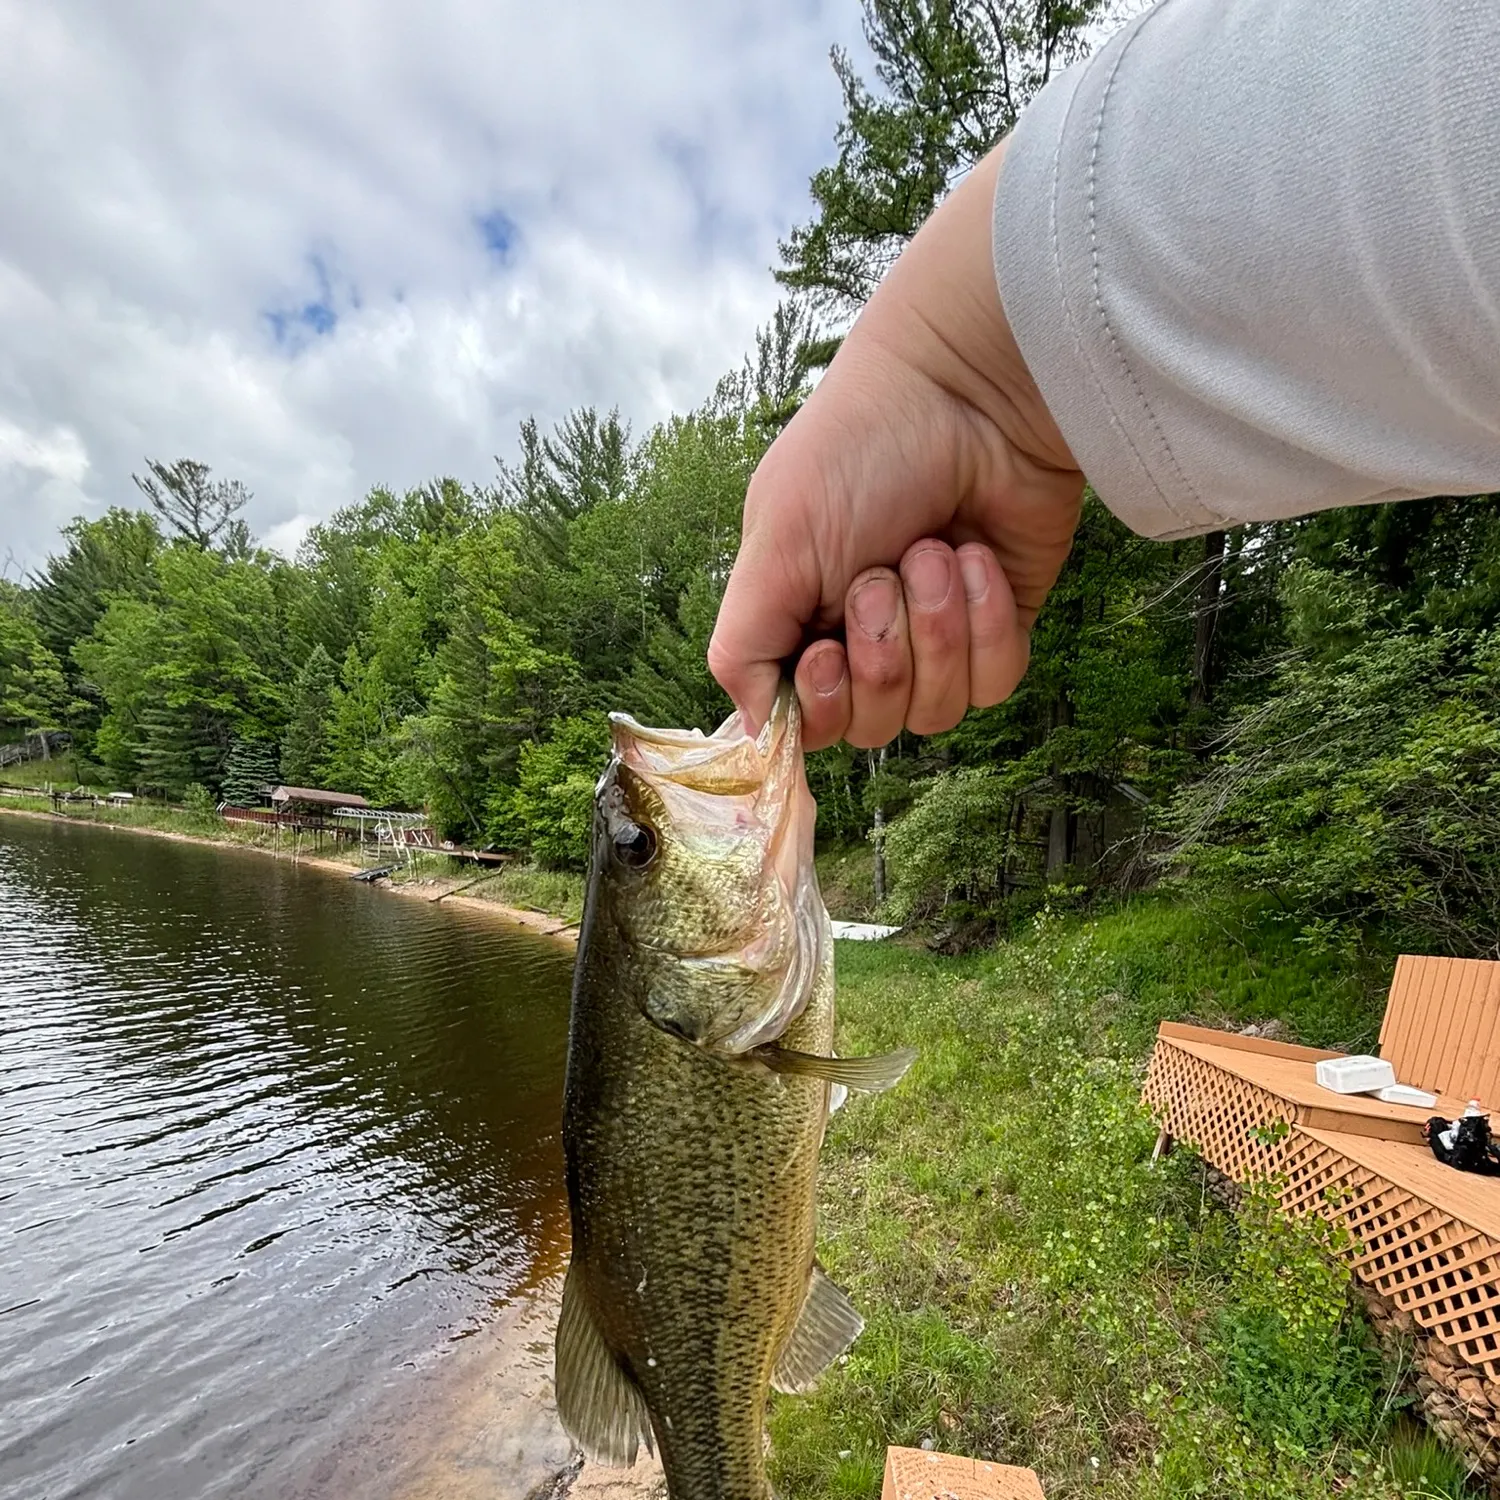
(1288, 1073)
(1422, 1234)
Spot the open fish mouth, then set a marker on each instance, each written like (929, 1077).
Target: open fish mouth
(729, 762)
(743, 800)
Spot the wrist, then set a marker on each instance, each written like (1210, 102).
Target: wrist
(939, 310)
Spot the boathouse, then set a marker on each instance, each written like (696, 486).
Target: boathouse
(312, 799)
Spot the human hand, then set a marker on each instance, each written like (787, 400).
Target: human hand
(923, 499)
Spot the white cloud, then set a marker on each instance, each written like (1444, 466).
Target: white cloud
(58, 454)
(320, 247)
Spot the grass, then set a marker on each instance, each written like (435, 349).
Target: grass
(1193, 957)
(558, 893)
(1426, 1469)
(1038, 1293)
(66, 772)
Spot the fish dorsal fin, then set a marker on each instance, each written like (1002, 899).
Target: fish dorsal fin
(601, 1408)
(870, 1074)
(827, 1325)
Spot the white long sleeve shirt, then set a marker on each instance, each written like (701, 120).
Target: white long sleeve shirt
(1250, 251)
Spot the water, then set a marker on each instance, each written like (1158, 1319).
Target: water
(268, 1139)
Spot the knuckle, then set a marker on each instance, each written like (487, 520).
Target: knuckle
(720, 658)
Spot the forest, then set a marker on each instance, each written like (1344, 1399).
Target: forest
(1308, 709)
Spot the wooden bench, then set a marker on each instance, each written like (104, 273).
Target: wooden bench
(1425, 1237)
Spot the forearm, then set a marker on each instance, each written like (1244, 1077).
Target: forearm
(1251, 255)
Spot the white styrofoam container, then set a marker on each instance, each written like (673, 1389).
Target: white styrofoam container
(1405, 1093)
(1355, 1075)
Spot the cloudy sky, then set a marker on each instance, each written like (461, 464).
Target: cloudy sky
(325, 244)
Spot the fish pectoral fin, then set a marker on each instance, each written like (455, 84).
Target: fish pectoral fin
(826, 1327)
(601, 1407)
(870, 1074)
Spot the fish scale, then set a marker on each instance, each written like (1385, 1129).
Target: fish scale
(693, 1181)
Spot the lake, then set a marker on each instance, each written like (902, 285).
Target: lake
(272, 1143)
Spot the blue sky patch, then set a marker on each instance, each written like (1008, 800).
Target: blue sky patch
(293, 327)
(499, 232)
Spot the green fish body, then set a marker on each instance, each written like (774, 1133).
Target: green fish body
(698, 1091)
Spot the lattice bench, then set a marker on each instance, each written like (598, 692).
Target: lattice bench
(1426, 1238)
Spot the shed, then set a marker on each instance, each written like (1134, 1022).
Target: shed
(284, 798)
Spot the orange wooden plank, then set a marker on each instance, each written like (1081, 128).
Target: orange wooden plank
(1294, 1081)
(915, 1474)
(1426, 994)
(1487, 1049)
(1449, 1002)
(1466, 997)
(1466, 1196)
(1398, 1008)
(1238, 1043)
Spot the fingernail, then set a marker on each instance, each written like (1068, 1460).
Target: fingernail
(826, 672)
(874, 607)
(927, 578)
(976, 576)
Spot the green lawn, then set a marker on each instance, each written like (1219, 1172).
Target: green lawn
(64, 771)
(1036, 1292)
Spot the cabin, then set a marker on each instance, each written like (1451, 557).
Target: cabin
(312, 799)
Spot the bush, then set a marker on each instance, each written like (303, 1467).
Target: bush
(198, 803)
(1299, 1366)
(953, 842)
(1366, 784)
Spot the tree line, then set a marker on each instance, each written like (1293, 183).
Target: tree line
(1310, 709)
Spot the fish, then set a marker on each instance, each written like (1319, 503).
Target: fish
(700, 1075)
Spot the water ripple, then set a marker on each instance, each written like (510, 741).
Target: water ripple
(266, 1136)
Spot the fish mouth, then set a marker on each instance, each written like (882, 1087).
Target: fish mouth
(734, 784)
(729, 762)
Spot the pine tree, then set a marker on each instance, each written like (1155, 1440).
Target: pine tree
(249, 772)
(952, 78)
(200, 509)
(304, 744)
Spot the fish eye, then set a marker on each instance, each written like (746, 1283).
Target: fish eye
(635, 845)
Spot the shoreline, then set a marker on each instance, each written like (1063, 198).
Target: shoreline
(434, 890)
(480, 1425)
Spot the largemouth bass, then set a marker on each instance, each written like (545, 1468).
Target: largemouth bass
(698, 1087)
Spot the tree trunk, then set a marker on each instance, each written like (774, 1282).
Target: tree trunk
(1057, 841)
(1206, 617)
(1062, 826)
(877, 833)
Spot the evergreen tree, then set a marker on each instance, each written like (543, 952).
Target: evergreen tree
(303, 744)
(584, 463)
(198, 508)
(953, 77)
(250, 771)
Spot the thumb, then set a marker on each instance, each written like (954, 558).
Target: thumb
(759, 626)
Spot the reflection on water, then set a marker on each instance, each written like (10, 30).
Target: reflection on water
(266, 1137)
